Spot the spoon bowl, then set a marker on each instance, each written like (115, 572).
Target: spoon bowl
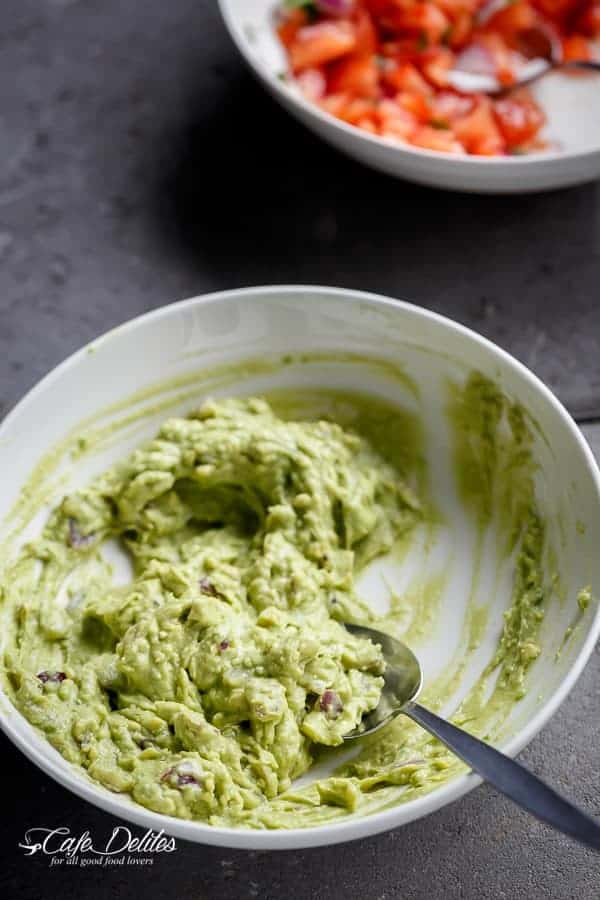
(531, 71)
(402, 681)
(403, 678)
(543, 54)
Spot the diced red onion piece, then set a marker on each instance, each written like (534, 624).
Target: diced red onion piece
(448, 105)
(207, 587)
(54, 677)
(186, 779)
(476, 59)
(181, 775)
(335, 7)
(77, 540)
(331, 704)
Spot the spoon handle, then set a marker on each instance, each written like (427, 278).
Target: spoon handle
(511, 778)
(589, 64)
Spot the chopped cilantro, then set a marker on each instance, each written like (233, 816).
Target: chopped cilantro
(383, 63)
(445, 39)
(308, 6)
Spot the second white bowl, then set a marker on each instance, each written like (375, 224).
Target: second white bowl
(572, 106)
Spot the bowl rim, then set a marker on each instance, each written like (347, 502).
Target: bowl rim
(68, 775)
(457, 161)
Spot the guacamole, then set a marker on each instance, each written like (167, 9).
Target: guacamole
(204, 685)
(217, 672)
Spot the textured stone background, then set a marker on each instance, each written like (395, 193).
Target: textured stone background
(139, 163)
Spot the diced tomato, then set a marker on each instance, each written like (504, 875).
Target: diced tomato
(491, 145)
(406, 77)
(366, 33)
(512, 18)
(588, 21)
(335, 104)
(291, 22)
(459, 31)
(554, 9)
(440, 139)
(455, 8)
(416, 104)
(315, 45)
(395, 122)
(519, 118)
(348, 108)
(478, 131)
(356, 74)
(405, 49)
(357, 109)
(367, 124)
(437, 65)
(576, 47)
(377, 8)
(422, 18)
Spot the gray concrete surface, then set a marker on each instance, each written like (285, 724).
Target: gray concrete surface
(139, 164)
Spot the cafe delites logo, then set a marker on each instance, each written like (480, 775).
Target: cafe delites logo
(122, 848)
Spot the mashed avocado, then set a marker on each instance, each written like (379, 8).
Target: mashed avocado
(204, 685)
(218, 673)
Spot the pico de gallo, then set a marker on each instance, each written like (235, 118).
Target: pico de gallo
(382, 65)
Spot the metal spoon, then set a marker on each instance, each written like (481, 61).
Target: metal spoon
(402, 682)
(545, 51)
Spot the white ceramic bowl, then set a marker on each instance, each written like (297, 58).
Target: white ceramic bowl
(572, 106)
(183, 345)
